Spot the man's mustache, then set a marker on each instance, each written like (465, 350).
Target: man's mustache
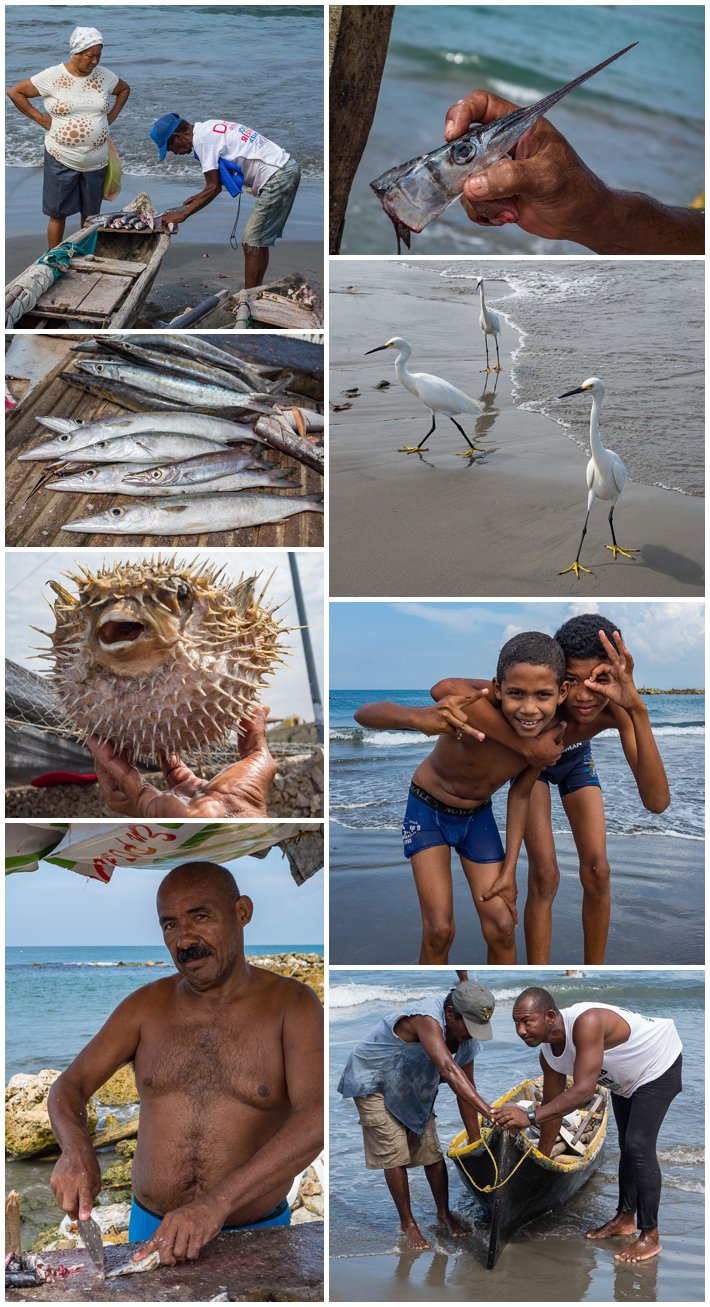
(195, 951)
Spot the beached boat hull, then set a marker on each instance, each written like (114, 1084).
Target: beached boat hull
(538, 1185)
(105, 289)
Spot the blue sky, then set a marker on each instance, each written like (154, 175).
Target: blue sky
(409, 645)
(53, 906)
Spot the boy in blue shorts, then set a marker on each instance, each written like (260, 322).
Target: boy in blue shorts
(449, 803)
(601, 696)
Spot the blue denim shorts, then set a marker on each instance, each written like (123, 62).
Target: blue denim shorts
(575, 770)
(473, 833)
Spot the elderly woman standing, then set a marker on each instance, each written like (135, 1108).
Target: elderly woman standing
(76, 121)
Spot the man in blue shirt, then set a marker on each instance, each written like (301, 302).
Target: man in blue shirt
(394, 1077)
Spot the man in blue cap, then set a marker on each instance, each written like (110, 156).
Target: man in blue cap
(233, 156)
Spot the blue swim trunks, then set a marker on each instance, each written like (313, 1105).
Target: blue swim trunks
(472, 832)
(575, 769)
(144, 1223)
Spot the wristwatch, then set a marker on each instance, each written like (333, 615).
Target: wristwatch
(531, 1114)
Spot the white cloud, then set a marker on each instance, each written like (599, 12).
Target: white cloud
(664, 631)
(578, 609)
(511, 630)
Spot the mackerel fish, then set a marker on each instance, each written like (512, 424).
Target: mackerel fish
(171, 423)
(112, 479)
(142, 449)
(202, 513)
(183, 390)
(414, 193)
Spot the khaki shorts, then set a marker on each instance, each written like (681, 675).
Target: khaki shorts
(273, 207)
(388, 1143)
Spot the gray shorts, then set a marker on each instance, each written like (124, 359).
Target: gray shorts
(66, 191)
(273, 206)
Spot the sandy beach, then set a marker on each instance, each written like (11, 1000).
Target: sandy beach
(200, 261)
(503, 523)
(374, 912)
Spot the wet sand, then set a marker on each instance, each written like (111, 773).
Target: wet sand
(656, 903)
(504, 523)
(200, 261)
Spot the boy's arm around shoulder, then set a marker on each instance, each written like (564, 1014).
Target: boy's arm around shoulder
(485, 715)
(450, 717)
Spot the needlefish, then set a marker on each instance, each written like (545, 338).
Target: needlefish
(198, 514)
(413, 194)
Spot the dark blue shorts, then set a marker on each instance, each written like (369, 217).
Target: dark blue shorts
(473, 833)
(143, 1223)
(66, 191)
(574, 771)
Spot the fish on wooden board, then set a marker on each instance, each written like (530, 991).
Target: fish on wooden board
(195, 516)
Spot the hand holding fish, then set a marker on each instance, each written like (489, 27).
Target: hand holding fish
(550, 192)
(183, 1233)
(240, 790)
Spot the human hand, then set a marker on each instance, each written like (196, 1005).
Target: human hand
(75, 1181)
(45, 121)
(545, 749)
(510, 1118)
(183, 1233)
(614, 678)
(174, 215)
(240, 790)
(544, 186)
(506, 887)
(448, 716)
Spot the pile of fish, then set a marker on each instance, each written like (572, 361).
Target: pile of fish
(129, 221)
(182, 464)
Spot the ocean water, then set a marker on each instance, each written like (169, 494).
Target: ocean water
(548, 1260)
(261, 64)
(370, 770)
(638, 124)
(57, 998)
(562, 321)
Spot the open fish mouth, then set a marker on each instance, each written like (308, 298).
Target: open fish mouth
(116, 632)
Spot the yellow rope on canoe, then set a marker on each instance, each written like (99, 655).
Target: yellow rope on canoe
(491, 1188)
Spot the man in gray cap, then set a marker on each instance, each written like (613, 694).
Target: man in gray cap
(394, 1077)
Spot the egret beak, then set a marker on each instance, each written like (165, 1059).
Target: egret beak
(579, 390)
(376, 350)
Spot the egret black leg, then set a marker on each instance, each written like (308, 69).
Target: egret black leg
(431, 428)
(488, 366)
(576, 566)
(497, 354)
(463, 433)
(614, 547)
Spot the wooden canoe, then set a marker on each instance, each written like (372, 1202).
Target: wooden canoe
(104, 289)
(523, 1183)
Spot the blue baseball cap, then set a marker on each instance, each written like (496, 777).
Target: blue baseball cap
(162, 130)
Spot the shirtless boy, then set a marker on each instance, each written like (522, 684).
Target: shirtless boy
(601, 696)
(449, 803)
(228, 1061)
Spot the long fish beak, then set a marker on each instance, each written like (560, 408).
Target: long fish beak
(376, 350)
(579, 390)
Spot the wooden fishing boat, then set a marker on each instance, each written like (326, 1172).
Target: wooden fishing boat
(105, 289)
(513, 1180)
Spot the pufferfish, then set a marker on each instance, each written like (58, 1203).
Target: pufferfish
(160, 655)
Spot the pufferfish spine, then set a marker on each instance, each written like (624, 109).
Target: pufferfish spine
(160, 656)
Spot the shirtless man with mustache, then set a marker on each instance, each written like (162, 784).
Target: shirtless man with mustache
(228, 1061)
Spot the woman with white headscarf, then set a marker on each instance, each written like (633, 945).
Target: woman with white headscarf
(76, 120)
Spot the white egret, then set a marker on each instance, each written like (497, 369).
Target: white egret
(434, 393)
(490, 326)
(606, 474)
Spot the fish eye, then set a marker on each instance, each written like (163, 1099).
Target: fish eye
(462, 151)
(157, 473)
(90, 473)
(183, 591)
(64, 440)
(116, 512)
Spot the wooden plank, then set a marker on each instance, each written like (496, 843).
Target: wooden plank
(105, 295)
(97, 263)
(137, 296)
(84, 292)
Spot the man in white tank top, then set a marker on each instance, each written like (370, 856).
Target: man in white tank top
(639, 1059)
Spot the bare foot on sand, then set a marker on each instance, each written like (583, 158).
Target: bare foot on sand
(415, 1238)
(452, 1225)
(622, 1223)
(647, 1245)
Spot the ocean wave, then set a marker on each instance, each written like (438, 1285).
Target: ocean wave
(683, 1155)
(378, 739)
(18, 156)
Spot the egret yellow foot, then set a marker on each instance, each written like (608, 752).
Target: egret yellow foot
(489, 369)
(498, 368)
(616, 549)
(576, 568)
(412, 449)
(470, 453)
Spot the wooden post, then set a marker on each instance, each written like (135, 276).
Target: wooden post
(13, 1237)
(359, 36)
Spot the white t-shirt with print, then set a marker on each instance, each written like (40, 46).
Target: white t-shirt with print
(78, 107)
(258, 157)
